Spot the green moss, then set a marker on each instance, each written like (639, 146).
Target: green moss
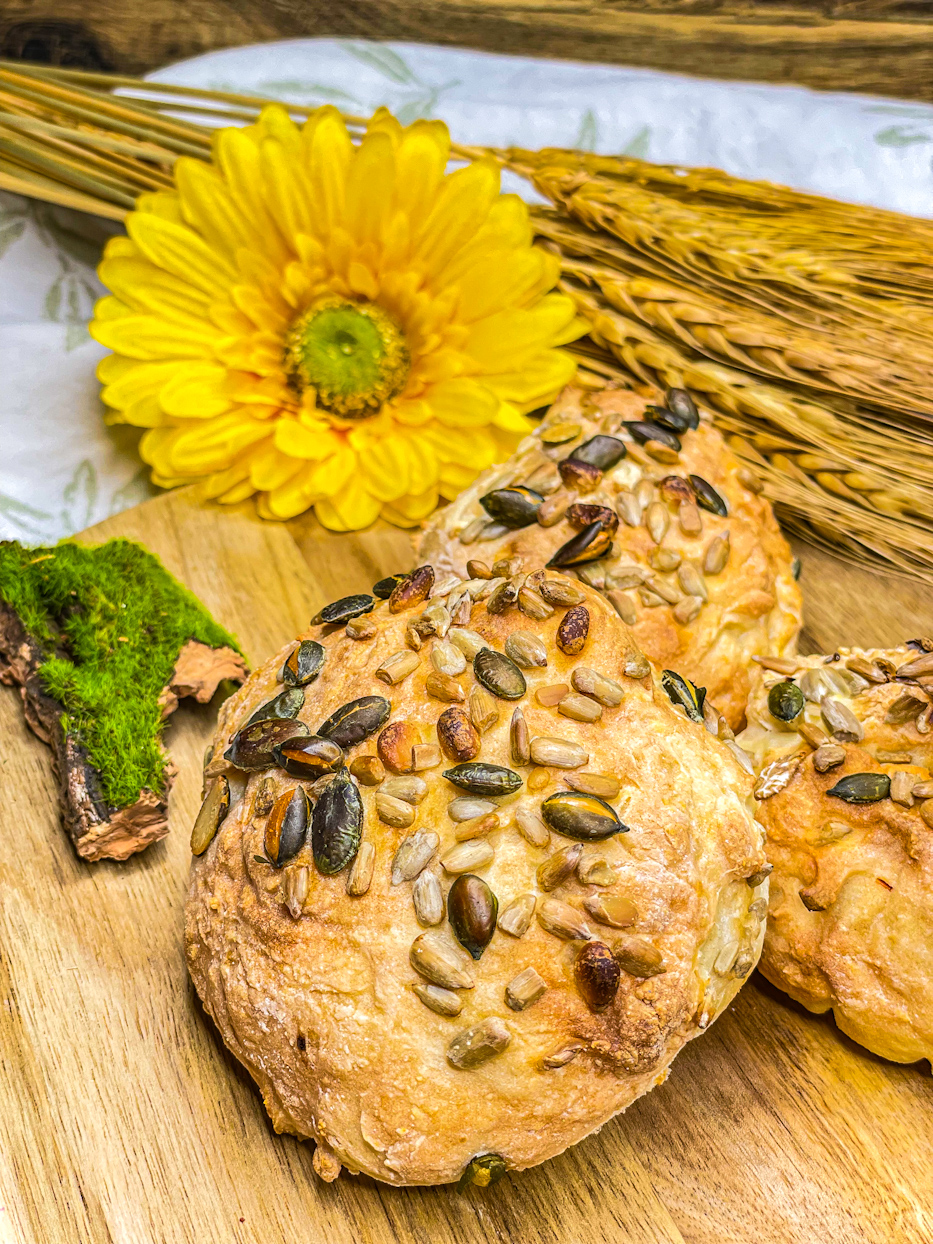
(112, 622)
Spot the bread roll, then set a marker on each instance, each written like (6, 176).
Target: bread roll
(534, 880)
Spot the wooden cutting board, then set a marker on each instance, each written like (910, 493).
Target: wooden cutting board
(123, 1120)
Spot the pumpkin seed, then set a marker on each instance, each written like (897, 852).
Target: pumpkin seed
(644, 430)
(428, 899)
(526, 649)
(563, 920)
(287, 826)
(441, 1001)
(708, 498)
(601, 784)
(843, 724)
(355, 721)
(516, 917)
(518, 738)
(457, 735)
(439, 962)
(682, 692)
(573, 629)
(638, 957)
(295, 886)
(397, 667)
(588, 545)
(611, 909)
(669, 419)
(531, 827)
(344, 609)
(597, 975)
(467, 641)
(285, 706)
(558, 753)
(385, 587)
(395, 812)
(309, 757)
(484, 710)
(584, 817)
(682, 404)
(482, 1171)
(515, 506)
(360, 876)
(555, 870)
(717, 555)
(862, 788)
(580, 708)
(525, 989)
(303, 663)
(828, 757)
(213, 810)
(600, 451)
(785, 701)
(472, 909)
(475, 1046)
(337, 825)
(251, 746)
(499, 675)
(412, 590)
(413, 856)
(466, 856)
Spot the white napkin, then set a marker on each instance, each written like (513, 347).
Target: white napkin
(61, 469)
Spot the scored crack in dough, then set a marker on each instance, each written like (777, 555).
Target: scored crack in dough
(689, 554)
(494, 936)
(844, 751)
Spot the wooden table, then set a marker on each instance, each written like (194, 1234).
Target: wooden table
(123, 1120)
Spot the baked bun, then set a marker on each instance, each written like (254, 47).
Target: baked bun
(851, 919)
(432, 997)
(668, 547)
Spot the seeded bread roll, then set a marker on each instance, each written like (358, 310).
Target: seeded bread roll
(536, 878)
(844, 749)
(687, 551)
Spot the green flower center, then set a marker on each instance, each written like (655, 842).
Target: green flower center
(351, 353)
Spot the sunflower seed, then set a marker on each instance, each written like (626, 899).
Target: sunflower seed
(862, 788)
(213, 810)
(444, 688)
(926, 813)
(635, 663)
(742, 756)
(438, 962)
(467, 641)
(553, 509)
(441, 1001)
(637, 956)
(753, 880)
(395, 746)
(841, 721)
(902, 788)
(395, 812)
(343, 610)
(361, 628)
(628, 508)
(905, 708)
(558, 867)
(691, 581)
(499, 675)
(265, 797)
(689, 518)
(516, 917)
(477, 569)
(546, 479)
(668, 593)
(551, 696)
(303, 664)
(663, 560)
(447, 658)
(573, 629)
(624, 607)
(524, 990)
(413, 589)
(687, 610)
(287, 826)
(355, 721)
(472, 909)
(596, 871)
(424, 756)
(580, 708)
(597, 975)
(531, 827)
(584, 817)
(611, 909)
(397, 667)
(559, 592)
(563, 920)
(538, 778)
(533, 606)
(467, 856)
(479, 827)
(519, 738)
(894, 758)
(562, 1057)
(657, 520)
(467, 808)
(484, 711)
(600, 688)
(917, 667)
(582, 477)
(526, 650)
(294, 890)
(813, 734)
(716, 558)
(923, 790)
(492, 531)
(867, 669)
(775, 776)
(427, 899)
(601, 784)
(558, 753)
(360, 875)
(471, 531)
(817, 683)
(675, 489)
(475, 1046)
(593, 575)
(828, 756)
(408, 787)
(413, 855)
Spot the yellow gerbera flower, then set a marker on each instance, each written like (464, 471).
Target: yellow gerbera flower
(329, 324)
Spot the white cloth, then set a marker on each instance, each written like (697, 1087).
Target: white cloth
(61, 468)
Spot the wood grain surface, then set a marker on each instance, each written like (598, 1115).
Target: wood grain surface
(879, 46)
(123, 1121)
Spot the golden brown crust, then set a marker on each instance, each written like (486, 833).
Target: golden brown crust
(754, 603)
(851, 912)
(321, 1008)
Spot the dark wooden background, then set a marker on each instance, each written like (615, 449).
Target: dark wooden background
(876, 46)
